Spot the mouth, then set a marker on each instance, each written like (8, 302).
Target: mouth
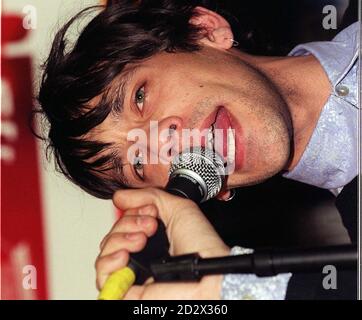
(224, 137)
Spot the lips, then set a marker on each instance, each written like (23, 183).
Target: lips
(227, 136)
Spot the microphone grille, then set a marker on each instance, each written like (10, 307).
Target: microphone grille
(204, 165)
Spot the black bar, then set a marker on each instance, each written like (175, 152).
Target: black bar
(272, 262)
(262, 263)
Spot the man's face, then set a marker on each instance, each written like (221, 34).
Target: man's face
(179, 91)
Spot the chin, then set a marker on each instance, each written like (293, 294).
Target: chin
(244, 179)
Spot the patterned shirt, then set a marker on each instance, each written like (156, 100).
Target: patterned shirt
(330, 159)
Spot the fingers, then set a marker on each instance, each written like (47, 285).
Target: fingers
(109, 264)
(130, 224)
(129, 234)
(166, 204)
(133, 221)
(147, 210)
(129, 198)
(132, 198)
(132, 242)
(182, 218)
(115, 253)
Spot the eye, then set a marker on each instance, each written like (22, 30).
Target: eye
(140, 98)
(138, 165)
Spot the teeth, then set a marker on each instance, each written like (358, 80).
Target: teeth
(230, 140)
(210, 139)
(231, 146)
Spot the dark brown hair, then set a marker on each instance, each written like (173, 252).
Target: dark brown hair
(123, 32)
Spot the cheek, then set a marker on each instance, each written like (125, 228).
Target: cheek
(178, 96)
(158, 175)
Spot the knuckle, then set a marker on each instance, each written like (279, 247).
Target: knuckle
(120, 241)
(125, 224)
(152, 227)
(137, 244)
(153, 208)
(114, 241)
(142, 239)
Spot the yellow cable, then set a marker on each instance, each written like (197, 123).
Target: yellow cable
(117, 284)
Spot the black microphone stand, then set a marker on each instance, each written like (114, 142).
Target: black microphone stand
(262, 263)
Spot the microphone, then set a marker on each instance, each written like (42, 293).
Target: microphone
(196, 174)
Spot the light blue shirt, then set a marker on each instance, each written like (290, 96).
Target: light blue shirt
(330, 159)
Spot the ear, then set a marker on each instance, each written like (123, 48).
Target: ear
(217, 30)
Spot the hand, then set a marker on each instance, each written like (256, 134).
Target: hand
(187, 229)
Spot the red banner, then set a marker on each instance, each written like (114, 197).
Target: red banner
(23, 272)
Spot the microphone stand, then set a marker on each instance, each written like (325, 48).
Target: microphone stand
(262, 263)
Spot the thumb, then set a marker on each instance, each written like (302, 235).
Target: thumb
(165, 202)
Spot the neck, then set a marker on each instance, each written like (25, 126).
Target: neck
(304, 86)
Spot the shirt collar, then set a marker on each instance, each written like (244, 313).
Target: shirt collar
(329, 53)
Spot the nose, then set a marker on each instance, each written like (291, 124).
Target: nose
(168, 139)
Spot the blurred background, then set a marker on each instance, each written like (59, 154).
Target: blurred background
(48, 223)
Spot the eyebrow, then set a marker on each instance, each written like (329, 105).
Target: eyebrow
(121, 83)
(118, 165)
